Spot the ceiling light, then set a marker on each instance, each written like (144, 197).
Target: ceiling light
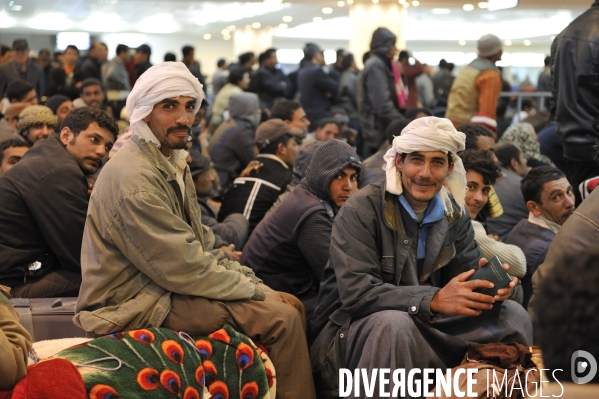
(483, 4)
(207, 36)
(375, 1)
(468, 7)
(462, 42)
(231, 27)
(327, 10)
(317, 19)
(283, 26)
(441, 11)
(287, 18)
(248, 27)
(527, 42)
(340, 3)
(507, 42)
(158, 23)
(16, 7)
(415, 3)
(6, 21)
(225, 32)
(50, 21)
(350, 2)
(104, 22)
(256, 25)
(227, 37)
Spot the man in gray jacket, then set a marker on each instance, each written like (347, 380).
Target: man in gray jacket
(148, 261)
(395, 293)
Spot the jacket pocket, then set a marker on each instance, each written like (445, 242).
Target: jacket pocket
(388, 269)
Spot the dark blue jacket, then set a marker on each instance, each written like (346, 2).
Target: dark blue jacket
(317, 91)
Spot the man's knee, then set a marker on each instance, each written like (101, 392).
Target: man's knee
(391, 323)
(515, 315)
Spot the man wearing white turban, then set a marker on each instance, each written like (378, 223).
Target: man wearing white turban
(395, 292)
(148, 261)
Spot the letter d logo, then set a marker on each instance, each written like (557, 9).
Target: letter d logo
(582, 366)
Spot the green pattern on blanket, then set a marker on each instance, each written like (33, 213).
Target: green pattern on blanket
(162, 363)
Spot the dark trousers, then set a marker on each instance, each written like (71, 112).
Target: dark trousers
(57, 283)
(281, 327)
(578, 172)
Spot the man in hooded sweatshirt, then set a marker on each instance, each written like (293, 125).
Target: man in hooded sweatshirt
(377, 98)
(232, 147)
(290, 247)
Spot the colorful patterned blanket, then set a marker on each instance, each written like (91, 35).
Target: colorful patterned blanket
(162, 363)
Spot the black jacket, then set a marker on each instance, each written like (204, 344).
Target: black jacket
(89, 68)
(317, 91)
(575, 80)
(270, 85)
(44, 204)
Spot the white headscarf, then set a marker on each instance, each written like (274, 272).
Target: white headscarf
(430, 134)
(162, 81)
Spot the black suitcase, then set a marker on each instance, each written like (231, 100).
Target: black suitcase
(48, 318)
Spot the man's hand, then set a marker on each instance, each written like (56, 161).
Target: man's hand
(495, 237)
(271, 294)
(230, 250)
(505, 293)
(457, 298)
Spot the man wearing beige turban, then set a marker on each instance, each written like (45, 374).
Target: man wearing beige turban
(395, 292)
(148, 261)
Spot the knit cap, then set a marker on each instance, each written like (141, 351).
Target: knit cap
(56, 101)
(489, 45)
(36, 115)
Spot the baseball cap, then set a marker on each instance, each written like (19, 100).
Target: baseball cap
(273, 129)
(20, 45)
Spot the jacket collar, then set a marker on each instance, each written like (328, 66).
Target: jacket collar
(165, 165)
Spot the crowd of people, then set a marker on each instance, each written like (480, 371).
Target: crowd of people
(334, 215)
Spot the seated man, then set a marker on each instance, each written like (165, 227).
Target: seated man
(481, 172)
(514, 168)
(11, 152)
(15, 344)
(36, 122)
(327, 129)
(21, 91)
(478, 137)
(401, 255)
(8, 124)
(565, 302)
(44, 200)
(148, 261)
(92, 95)
(292, 113)
(234, 228)
(259, 185)
(290, 247)
(550, 201)
(373, 168)
(232, 147)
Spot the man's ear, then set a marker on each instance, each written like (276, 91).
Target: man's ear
(146, 119)
(533, 207)
(398, 162)
(281, 149)
(513, 165)
(65, 135)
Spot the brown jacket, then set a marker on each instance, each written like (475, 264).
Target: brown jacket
(15, 344)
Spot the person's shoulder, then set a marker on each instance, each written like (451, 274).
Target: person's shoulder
(367, 197)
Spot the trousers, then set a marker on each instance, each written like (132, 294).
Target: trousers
(280, 326)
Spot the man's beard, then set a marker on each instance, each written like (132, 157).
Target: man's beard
(177, 145)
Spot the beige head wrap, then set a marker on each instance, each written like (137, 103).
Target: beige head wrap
(36, 115)
(162, 81)
(430, 134)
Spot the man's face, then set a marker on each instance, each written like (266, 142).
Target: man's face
(203, 183)
(63, 110)
(90, 147)
(245, 82)
(29, 98)
(171, 121)
(327, 132)
(484, 143)
(139, 57)
(299, 120)
(557, 201)
(422, 175)
(92, 96)
(343, 186)
(288, 152)
(70, 56)
(521, 166)
(477, 194)
(38, 132)
(271, 61)
(12, 155)
(21, 56)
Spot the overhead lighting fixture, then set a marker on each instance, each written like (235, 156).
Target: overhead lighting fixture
(468, 7)
(317, 19)
(350, 2)
(227, 37)
(104, 22)
(231, 27)
(50, 21)
(441, 11)
(6, 21)
(507, 42)
(327, 10)
(225, 32)
(158, 23)
(462, 42)
(207, 36)
(527, 42)
(483, 5)
(256, 25)
(415, 3)
(495, 5)
(283, 26)
(248, 27)
(375, 1)
(341, 3)
(16, 7)
(287, 18)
